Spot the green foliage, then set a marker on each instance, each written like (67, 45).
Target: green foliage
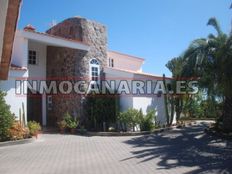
(101, 110)
(148, 121)
(33, 127)
(22, 118)
(71, 122)
(176, 66)
(168, 101)
(23, 115)
(6, 118)
(210, 59)
(62, 124)
(18, 131)
(133, 117)
(82, 130)
(130, 118)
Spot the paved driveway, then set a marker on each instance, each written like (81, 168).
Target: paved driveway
(178, 151)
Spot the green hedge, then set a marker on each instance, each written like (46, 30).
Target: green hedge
(6, 118)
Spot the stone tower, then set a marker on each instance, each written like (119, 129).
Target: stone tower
(68, 63)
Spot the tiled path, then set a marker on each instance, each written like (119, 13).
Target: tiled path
(177, 151)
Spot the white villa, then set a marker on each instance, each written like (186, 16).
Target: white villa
(76, 47)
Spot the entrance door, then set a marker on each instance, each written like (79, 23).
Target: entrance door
(34, 107)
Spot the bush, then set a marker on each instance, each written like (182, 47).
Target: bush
(17, 131)
(34, 127)
(100, 111)
(6, 118)
(62, 124)
(148, 122)
(133, 117)
(71, 122)
(130, 118)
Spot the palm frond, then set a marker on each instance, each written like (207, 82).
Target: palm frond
(213, 22)
(211, 36)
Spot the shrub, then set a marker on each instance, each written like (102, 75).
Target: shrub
(62, 124)
(130, 118)
(6, 118)
(148, 121)
(83, 130)
(18, 131)
(71, 122)
(34, 127)
(100, 111)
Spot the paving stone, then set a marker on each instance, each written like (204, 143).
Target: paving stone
(165, 153)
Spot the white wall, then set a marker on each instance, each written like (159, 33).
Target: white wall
(38, 70)
(125, 62)
(9, 86)
(20, 58)
(20, 50)
(148, 103)
(145, 103)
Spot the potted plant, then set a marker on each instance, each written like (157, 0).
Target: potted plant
(34, 128)
(82, 130)
(73, 125)
(71, 122)
(62, 125)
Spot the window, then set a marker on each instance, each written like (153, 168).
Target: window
(49, 102)
(94, 62)
(94, 73)
(94, 70)
(71, 31)
(111, 62)
(32, 57)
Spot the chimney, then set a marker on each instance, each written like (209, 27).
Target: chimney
(29, 27)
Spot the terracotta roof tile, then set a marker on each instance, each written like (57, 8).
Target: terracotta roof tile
(15, 67)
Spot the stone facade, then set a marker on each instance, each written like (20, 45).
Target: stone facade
(88, 32)
(70, 63)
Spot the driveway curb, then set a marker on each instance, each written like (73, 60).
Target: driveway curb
(17, 142)
(126, 133)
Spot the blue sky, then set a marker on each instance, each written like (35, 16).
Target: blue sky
(156, 30)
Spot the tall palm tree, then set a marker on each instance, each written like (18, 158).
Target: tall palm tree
(210, 59)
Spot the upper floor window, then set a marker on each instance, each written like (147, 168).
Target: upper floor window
(94, 70)
(111, 62)
(94, 62)
(32, 57)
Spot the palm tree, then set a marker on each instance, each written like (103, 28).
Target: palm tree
(211, 59)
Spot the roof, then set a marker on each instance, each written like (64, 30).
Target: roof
(11, 19)
(123, 54)
(59, 37)
(54, 40)
(15, 67)
(139, 73)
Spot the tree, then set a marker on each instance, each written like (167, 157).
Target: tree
(6, 118)
(169, 102)
(210, 59)
(176, 66)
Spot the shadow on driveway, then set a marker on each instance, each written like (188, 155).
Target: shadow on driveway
(187, 147)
